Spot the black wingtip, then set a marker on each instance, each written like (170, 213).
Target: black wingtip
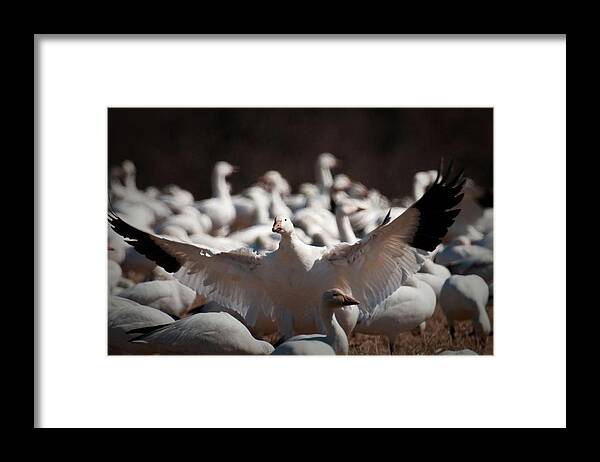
(145, 330)
(142, 242)
(436, 207)
(387, 218)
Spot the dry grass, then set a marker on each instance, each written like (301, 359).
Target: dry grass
(434, 340)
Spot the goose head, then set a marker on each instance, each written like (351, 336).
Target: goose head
(283, 225)
(341, 182)
(335, 298)
(152, 192)
(273, 180)
(225, 169)
(327, 161)
(309, 190)
(128, 167)
(348, 208)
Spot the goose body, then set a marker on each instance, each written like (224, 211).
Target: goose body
(169, 296)
(125, 315)
(203, 334)
(465, 298)
(434, 275)
(406, 309)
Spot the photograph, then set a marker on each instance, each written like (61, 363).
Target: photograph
(300, 231)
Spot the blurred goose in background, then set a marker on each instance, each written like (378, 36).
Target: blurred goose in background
(215, 243)
(486, 241)
(175, 231)
(288, 283)
(175, 197)
(473, 214)
(468, 259)
(114, 274)
(251, 208)
(335, 340)
(325, 162)
(465, 298)
(219, 208)
(273, 182)
(169, 296)
(318, 222)
(341, 182)
(190, 219)
(201, 334)
(422, 181)
(406, 309)
(343, 210)
(125, 315)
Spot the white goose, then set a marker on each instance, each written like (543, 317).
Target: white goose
(325, 162)
(422, 181)
(175, 197)
(251, 207)
(434, 275)
(169, 296)
(125, 315)
(188, 218)
(220, 208)
(406, 309)
(273, 183)
(202, 334)
(288, 283)
(334, 342)
(465, 298)
(473, 214)
(468, 259)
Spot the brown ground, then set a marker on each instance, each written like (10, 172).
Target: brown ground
(434, 340)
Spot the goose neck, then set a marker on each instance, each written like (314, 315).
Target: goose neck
(324, 178)
(345, 228)
(219, 186)
(130, 182)
(336, 337)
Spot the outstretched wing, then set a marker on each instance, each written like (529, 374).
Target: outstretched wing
(233, 279)
(383, 260)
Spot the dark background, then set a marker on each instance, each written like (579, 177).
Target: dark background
(382, 148)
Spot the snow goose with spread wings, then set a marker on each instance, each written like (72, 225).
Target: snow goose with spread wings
(288, 283)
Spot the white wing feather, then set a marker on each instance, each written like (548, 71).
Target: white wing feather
(379, 263)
